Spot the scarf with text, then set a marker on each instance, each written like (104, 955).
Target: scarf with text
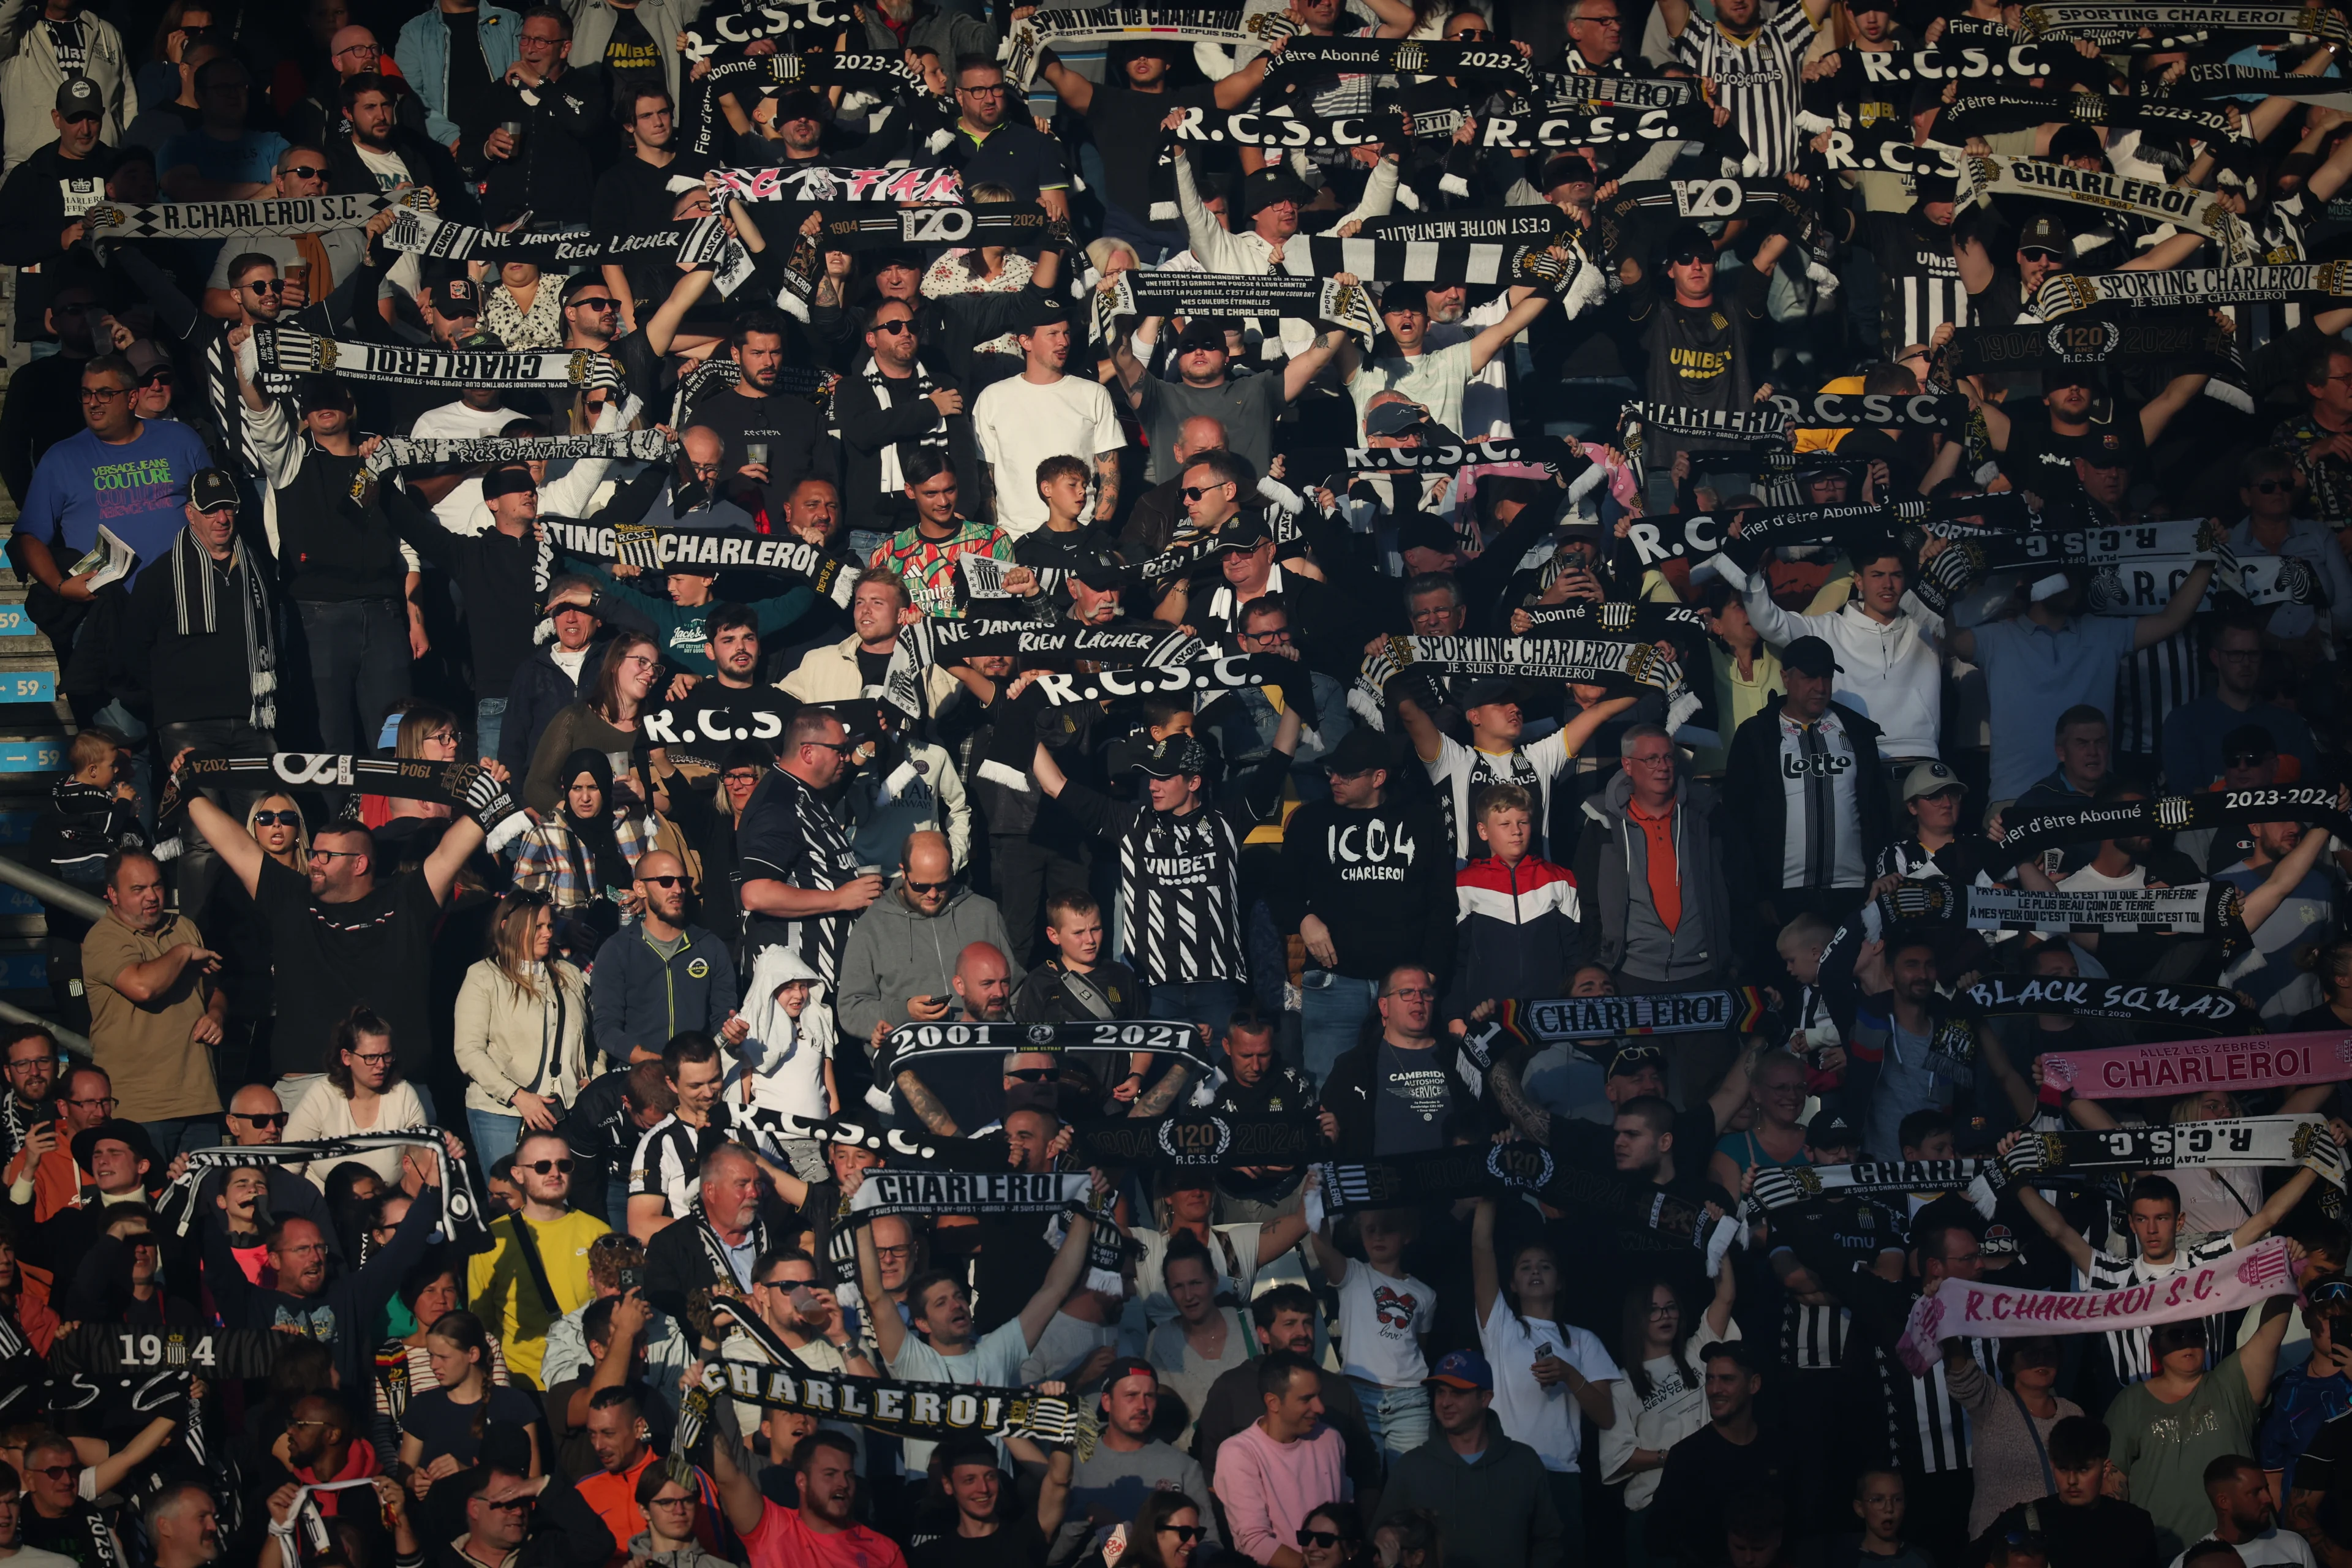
(410, 452)
(2128, 341)
(1692, 1012)
(2209, 80)
(1590, 94)
(2193, 909)
(1202, 677)
(1763, 426)
(1994, 113)
(701, 243)
(2312, 803)
(468, 787)
(657, 547)
(1467, 60)
(1228, 26)
(285, 353)
(1786, 1186)
(1983, 177)
(934, 640)
(713, 717)
(1284, 128)
(1617, 667)
(1193, 1139)
(2065, 293)
(2167, 27)
(2269, 1141)
(238, 219)
(738, 23)
(1615, 617)
(1164, 293)
(2065, 995)
(1716, 200)
(2129, 568)
(1002, 1192)
(2240, 1063)
(831, 183)
(911, 1042)
(1775, 528)
(1978, 1310)
(1507, 244)
(886, 77)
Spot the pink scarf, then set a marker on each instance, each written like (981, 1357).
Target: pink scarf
(2247, 1061)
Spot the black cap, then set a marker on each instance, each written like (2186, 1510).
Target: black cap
(1243, 530)
(1494, 689)
(1419, 531)
(1202, 331)
(1174, 757)
(1812, 656)
(327, 392)
(1934, 187)
(513, 479)
(2106, 449)
(2248, 738)
(1831, 1129)
(2055, 376)
(1271, 184)
(802, 105)
(457, 297)
(113, 1128)
(79, 95)
(209, 489)
(1687, 238)
(1106, 575)
(1567, 169)
(481, 340)
(1360, 750)
(1043, 310)
(2045, 233)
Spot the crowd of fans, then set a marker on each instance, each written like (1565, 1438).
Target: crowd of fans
(1200, 680)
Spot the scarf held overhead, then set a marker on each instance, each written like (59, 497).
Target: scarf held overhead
(2312, 803)
(285, 351)
(2193, 909)
(238, 219)
(1228, 26)
(1649, 1013)
(2060, 995)
(1970, 1309)
(2273, 1140)
(466, 786)
(1985, 177)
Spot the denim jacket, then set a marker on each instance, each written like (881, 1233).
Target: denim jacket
(423, 55)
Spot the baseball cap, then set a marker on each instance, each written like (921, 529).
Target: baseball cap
(1812, 656)
(481, 340)
(209, 489)
(79, 95)
(1930, 778)
(514, 479)
(2249, 738)
(147, 362)
(1128, 1366)
(1462, 1369)
(1266, 186)
(1243, 530)
(2044, 233)
(1688, 239)
(1567, 169)
(1044, 312)
(1493, 689)
(1831, 1129)
(799, 105)
(1104, 576)
(1203, 333)
(1174, 757)
(1360, 750)
(2107, 450)
(1419, 531)
(457, 297)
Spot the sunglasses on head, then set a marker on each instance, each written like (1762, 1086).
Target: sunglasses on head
(278, 819)
(544, 1166)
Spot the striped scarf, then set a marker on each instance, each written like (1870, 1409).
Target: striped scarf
(894, 478)
(196, 611)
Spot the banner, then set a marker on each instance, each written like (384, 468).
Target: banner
(1985, 177)
(1964, 1310)
(2064, 293)
(830, 183)
(658, 548)
(2064, 995)
(272, 215)
(1480, 249)
(287, 352)
(2182, 1066)
(1229, 26)
(1170, 292)
(2312, 803)
(1648, 1013)
(2193, 909)
(1196, 1139)
(1469, 61)
(712, 718)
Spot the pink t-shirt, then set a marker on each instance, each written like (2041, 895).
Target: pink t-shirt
(783, 1539)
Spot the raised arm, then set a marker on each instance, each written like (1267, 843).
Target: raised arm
(2264, 901)
(738, 1494)
(228, 838)
(2267, 1218)
(1069, 1268)
(890, 1333)
(2054, 1224)
(441, 867)
(1484, 1282)
(1529, 304)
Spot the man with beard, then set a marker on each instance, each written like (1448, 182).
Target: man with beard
(44, 1173)
(2036, 441)
(634, 197)
(662, 976)
(879, 607)
(1124, 113)
(1206, 388)
(994, 146)
(321, 1447)
(755, 409)
(29, 1058)
(823, 1528)
(44, 198)
(894, 405)
(1905, 1051)
(151, 1021)
(537, 1268)
(382, 154)
(923, 557)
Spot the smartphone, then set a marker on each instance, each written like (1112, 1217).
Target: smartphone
(632, 1277)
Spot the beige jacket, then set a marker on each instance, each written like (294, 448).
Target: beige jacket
(831, 675)
(509, 1040)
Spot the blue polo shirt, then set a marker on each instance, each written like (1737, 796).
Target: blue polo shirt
(2033, 674)
(138, 489)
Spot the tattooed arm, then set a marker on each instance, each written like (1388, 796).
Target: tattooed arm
(1159, 1096)
(1107, 485)
(1532, 1120)
(926, 1104)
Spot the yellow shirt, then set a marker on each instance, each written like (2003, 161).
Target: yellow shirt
(499, 1285)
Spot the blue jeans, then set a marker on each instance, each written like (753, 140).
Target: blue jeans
(1331, 1013)
(179, 1132)
(489, 724)
(495, 1137)
(1210, 1002)
(1398, 1418)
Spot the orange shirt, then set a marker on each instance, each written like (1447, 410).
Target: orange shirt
(1665, 882)
(614, 1500)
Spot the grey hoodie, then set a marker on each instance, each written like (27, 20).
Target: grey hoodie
(692, 1555)
(1613, 853)
(894, 955)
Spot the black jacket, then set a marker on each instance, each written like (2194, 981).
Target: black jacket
(332, 548)
(1381, 878)
(1347, 1092)
(551, 174)
(177, 678)
(1755, 815)
(33, 218)
(869, 427)
(496, 575)
(428, 161)
(339, 1315)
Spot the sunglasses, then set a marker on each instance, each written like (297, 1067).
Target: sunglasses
(896, 327)
(263, 1119)
(306, 171)
(1032, 1075)
(2038, 254)
(2248, 759)
(1185, 1534)
(1194, 493)
(1319, 1537)
(544, 1166)
(278, 819)
(509, 1505)
(268, 286)
(2271, 486)
(914, 887)
(58, 1472)
(662, 881)
(1691, 258)
(599, 303)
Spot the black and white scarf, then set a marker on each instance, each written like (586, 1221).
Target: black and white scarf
(467, 786)
(1765, 425)
(287, 352)
(911, 1042)
(1228, 26)
(1509, 245)
(2106, 554)
(1202, 677)
(656, 547)
(1166, 292)
(2207, 1007)
(1690, 1012)
(109, 220)
(2274, 1141)
(741, 22)
(2120, 343)
(833, 184)
(712, 718)
(714, 1251)
(885, 77)
(1569, 125)
(195, 612)
(406, 452)
(2120, 23)
(934, 640)
(1615, 618)
(1993, 113)
(2193, 909)
(886, 390)
(1983, 177)
(1619, 666)
(1001, 1192)
(2065, 293)
(1194, 1139)
(2314, 803)
(2213, 80)
(1469, 61)
(1786, 1186)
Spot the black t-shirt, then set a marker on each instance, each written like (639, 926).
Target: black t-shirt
(790, 426)
(872, 668)
(446, 1426)
(633, 197)
(2041, 459)
(1699, 355)
(631, 55)
(331, 957)
(1125, 125)
(1013, 1261)
(1015, 1545)
(74, 1536)
(1703, 1473)
(472, 103)
(2107, 1535)
(1017, 156)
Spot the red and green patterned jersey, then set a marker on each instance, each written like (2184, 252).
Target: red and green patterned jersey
(928, 565)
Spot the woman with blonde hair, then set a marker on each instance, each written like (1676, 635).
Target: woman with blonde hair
(522, 1031)
(363, 1092)
(234, 928)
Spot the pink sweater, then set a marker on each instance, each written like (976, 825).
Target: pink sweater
(1268, 1489)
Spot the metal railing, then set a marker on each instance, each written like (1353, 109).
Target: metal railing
(78, 1045)
(50, 890)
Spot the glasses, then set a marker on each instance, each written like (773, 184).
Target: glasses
(644, 659)
(740, 777)
(670, 1502)
(1692, 258)
(1470, 33)
(103, 393)
(905, 1251)
(1415, 993)
(109, 1104)
(335, 854)
(2248, 759)
(371, 1060)
(1664, 1310)
(1325, 1538)
(1185, 1534)
(1662, 759)
(1278, 634)
(991, 90)
(662, 881)
(783, 1284)
(30, 1062)
(361, 50)
(2271, 486)
(599, 303)
(278, 819)
(895, 326)
(1032, 1075)
(58, 1472)
(914, 887)
(839, 748)
(306, 171)
(262, 1118)
(543, 1167)
(2038, 254)
(1194, 493)
(268, 286)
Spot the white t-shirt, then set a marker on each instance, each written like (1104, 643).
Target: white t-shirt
(994, 1363)
(1381, 1320)
(1671, 1413)
(1236, 1262)
(2272, 1545)
(455, 509)
(1460, 772)
(1435, 380)
(325, 1115)
(1019, 424)
(1548, 1420)
(391, 173)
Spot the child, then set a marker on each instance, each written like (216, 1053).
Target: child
(1812, 1033)
(92, 813)
(1384, 1313)
(784, 1065)
(1515, 914)
(1078, 983)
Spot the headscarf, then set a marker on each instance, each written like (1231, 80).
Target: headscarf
(598, 853)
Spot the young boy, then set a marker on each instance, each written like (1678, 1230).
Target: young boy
(93, 812)
(1078, 983)
(1515, 914)
(1068, 540)
(1812, 1030)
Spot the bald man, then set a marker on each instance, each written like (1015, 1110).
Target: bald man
(893, 966)
(1159, 511)
(662, 977)
(256, 1119)
(955, 1093)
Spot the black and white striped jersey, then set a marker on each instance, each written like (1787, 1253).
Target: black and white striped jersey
(790, 835)
(1919, 286)
(2127, 1348)
(1927, 1429)
(667, 1161)
(1814, 1338)
(1757, 77)
(2152, 682)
